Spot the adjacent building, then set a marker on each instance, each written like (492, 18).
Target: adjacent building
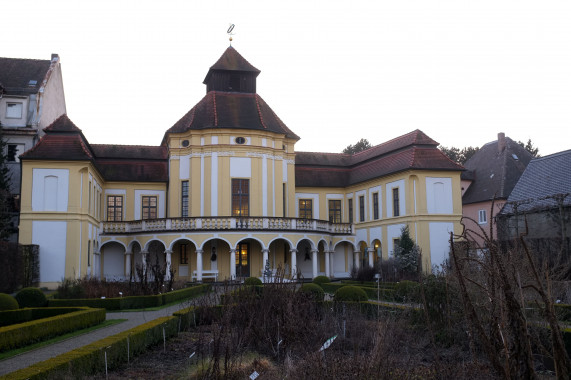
(31, 98)
(225, 196)
(490, 176)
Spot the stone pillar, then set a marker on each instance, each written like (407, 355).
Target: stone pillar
(314, 262)
(371, 256)
(293, 263)
(128, 256)
(356, 259)
(232, 263)
(199, 253)
(168, 254)
(327, 264)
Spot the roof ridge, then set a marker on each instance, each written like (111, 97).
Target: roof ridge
(214, 108)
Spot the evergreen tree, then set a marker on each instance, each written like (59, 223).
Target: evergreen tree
(530, 148)
(407, 252)
(360, 146)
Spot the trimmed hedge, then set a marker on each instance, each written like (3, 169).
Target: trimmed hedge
(386, 285)
(11, 317)
(350, 293)
(321, 280)
(31, 297)
(252, 281)
(314, 290)
(563, 311)
(197, 316)
(133, 302)
(384, 294)
(7, 302)
(23, 334)
(90, 359)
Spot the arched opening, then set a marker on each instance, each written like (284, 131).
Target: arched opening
(113, 257)
(342, 259)
(183, 259)
(279, 257)
(216, 258)
(304, 259)
(248, 259)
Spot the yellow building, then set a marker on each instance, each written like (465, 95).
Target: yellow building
(225, 193)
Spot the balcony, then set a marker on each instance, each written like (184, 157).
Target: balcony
(223, 223)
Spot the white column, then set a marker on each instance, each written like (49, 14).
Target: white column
(144, 259)
(232, 263)
(199, 264)
(168, 254)
(314, 262)
(128, 256)
(293, 263)
(371, 256)
(327, 263)
(265, 259)
(356, 259)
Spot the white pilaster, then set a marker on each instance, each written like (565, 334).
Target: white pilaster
(327, 264)
(265, 259)
(371, 256)
(356, 259)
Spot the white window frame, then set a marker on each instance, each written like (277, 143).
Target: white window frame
(8, 104)
(482, 217)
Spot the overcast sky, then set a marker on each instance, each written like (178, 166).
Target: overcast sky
(333, 71)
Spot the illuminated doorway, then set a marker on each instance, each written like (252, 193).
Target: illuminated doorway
(243, 260)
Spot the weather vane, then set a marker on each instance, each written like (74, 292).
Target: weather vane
(229, 31)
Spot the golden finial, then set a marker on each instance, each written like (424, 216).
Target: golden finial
(229, 31)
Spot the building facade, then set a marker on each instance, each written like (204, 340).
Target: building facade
(225, 196)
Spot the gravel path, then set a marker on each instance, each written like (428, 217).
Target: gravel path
(133, 319)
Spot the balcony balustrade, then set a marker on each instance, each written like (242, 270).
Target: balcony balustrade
(227, 224)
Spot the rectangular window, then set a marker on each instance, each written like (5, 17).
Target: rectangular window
(396, 204)
(14, 150)
(396, 243)
(334, 211)
(375, 206)
(306, 208)
(114, 208)
(184, 199)
(350, 204)
(14, 110)
(362, 208)
(240, 197)
(149, 207)
(183, 254)
(482, 218)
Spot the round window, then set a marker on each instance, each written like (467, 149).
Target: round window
(240, 140)
(185, 143)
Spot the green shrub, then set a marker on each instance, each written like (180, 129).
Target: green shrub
(321, 280)
(89, 359)
(31, 297)
(7, 302)
(252, 281)
(406, 291)
(350, 293)
(331, 287)
(22, 334)
(313, 290)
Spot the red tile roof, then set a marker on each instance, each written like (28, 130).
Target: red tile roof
(65, 141)
(414, 150)
(232, 110)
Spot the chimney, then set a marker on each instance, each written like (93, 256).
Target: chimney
(501, 142)
(54, 57)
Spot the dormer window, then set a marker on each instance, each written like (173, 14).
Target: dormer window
(14, 110)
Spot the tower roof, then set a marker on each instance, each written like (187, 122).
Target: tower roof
(231, 60)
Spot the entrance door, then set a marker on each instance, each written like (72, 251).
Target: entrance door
(243, 260)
